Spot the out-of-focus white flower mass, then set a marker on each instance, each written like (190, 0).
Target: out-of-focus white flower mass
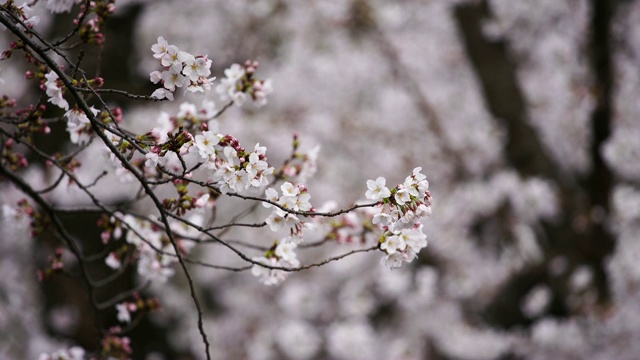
(376, 93)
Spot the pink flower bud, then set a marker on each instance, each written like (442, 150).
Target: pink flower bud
(290, 171)
(117, 114)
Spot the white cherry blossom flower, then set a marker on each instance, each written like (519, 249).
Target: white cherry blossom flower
(155, 76)
(124, 315)
(393, 261)
(382, 219)
(207, 111)
(206, 142)
(285, 251)
(291, 221)
(152, 159)
(196, 67)
(234, 73)
(202, 201)
(173, 79)
(417, 175)
(231, 155)
(267, 276)
(239, 181)
(414, 238)
(173, 56)
(112, 261)
(302, 202)
(411, 187)
(393, 243)
(377, 189)
(260, 150)
(288, 189)
(288, 202)
(402, 196)
(255, 164)
(276, 220)
(150, 268)
(54, 92)
(160, 49)
(226, 89)
(270, 194)
(162, 93)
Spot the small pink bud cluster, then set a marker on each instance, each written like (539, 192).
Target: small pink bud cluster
(115, 346)
(91, 31)
(111, 228)
(185, 202)
(32, 121)
(13, 159)
(55, 266)
(38, 222)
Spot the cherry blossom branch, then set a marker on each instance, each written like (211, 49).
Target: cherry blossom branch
(254, 262)
(118, 92)
(273, 203)
(36, 35)
(16, 31)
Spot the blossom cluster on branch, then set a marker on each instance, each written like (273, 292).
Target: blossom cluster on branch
(182, 170)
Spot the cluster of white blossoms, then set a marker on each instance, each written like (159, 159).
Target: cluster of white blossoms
(293, 198)
(397, 216)
(233, 169)
(78, 125)
(401, 208)
(54, 91)
(155, 253)
(24, 11)
(180, 69)
(203, 116)
(239, 82)
(275, 276)
(227, 165)
(74, 353)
